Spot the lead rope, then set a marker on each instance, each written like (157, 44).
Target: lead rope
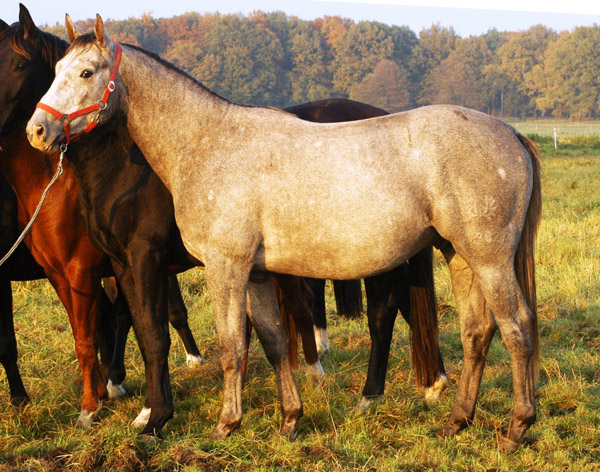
(57, 174)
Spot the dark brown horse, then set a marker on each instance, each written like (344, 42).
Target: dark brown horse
(58, 240)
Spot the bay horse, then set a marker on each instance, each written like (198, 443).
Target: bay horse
(116, 182)
(359, 199)
(58, 240)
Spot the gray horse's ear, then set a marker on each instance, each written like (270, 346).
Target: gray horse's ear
(3, 25)
(72, 30)
(101, 33)
(29, 28)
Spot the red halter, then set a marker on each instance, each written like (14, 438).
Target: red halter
(100, 105)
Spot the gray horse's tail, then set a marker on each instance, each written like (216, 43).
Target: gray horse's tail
(525, 256)
(423, 318)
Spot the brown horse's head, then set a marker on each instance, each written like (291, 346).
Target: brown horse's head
(27, 59)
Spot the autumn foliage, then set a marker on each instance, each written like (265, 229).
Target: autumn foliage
(274, 59)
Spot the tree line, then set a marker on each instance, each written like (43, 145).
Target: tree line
(278, 60)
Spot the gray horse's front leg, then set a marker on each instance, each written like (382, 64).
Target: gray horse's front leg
(227, 282)
(266, 319)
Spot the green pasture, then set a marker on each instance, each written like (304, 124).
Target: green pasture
(564, 128)
(398, 434)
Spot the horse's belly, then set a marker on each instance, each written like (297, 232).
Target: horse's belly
(340, 257)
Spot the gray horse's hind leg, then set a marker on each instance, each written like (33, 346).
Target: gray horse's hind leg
(264, 311)
(477, 330)
(518, 327)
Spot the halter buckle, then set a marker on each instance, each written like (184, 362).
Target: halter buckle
(102, 105)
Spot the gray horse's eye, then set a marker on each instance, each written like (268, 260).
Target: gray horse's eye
(86, 74)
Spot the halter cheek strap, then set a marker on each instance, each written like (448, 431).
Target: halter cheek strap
(99, 106)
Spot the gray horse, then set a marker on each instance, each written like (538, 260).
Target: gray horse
(257, 190)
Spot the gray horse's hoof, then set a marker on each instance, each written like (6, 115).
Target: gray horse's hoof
(508, 445)
(288, 430)
(223, 431)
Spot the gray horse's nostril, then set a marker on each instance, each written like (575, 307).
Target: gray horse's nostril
(40, 132)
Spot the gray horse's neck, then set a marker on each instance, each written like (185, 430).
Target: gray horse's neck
(160, 118)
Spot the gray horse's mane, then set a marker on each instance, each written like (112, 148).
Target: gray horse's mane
(177, 70)
(88, 39)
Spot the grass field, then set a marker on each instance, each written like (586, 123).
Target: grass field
(564, 128)
(397, 434)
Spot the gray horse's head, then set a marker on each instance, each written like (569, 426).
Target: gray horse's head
(78, 99)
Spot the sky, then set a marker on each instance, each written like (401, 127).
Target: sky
(467, 17)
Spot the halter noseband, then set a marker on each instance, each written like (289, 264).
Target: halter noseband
(100, 105)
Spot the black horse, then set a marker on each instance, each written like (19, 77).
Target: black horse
(387, 293)
(19, 267)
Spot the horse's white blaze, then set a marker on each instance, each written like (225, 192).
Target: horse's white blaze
(142, 419)
(322, 340)
(115, 390)
(502, 173)
(193, 361)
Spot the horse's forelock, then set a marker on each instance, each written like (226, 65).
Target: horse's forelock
(84, 41)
